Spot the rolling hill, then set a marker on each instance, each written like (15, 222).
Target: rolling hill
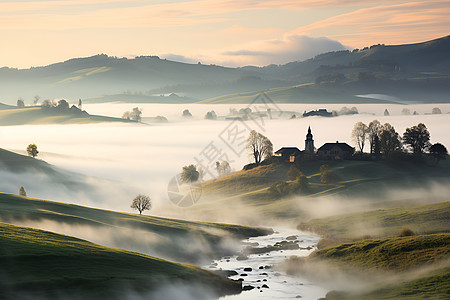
(44, 265)
(414, 72)
(39, 115)
(183, 241)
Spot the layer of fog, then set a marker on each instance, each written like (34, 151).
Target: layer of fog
(143, 158)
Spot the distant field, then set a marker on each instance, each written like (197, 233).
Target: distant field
(36, 263)
(37, 115)
(305, 93)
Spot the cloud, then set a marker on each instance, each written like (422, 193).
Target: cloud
(292, 48)
(388, 24)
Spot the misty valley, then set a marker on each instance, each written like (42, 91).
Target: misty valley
(262, 161)
(183, 208)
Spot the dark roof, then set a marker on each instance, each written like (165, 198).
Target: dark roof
(288, 151)
(343, 146)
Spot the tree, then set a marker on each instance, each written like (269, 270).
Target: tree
(22, 192)
(36, 99)
(80, 104)
(260, 146)
(438, 152)
(386, 112)
(326, 175)
(293, 173)
(187, 113)
(436, 111)
(32, 150)
(406, 112)
(389, 140)
(417, 138)
(20, 102)
(189, 174)
(134, 115)
(211, 115)
(223, 168)
(373, 132)
(48, 103)
(301, 184)
(359, 135)
(62, 104)
(141, 203)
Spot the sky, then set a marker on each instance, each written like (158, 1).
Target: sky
(223, 32)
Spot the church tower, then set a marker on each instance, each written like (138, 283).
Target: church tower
(309, 142)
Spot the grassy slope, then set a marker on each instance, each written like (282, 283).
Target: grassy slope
(400, 257)
(19, 210)
(424, 219)
(370, 179)
(39, 261)
(392, 254)
(36, 115)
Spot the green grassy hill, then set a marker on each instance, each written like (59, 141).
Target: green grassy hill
(412, 267)
(371, 180)
(38, 115)
(40, 264)
(178, 240)
(423, 219)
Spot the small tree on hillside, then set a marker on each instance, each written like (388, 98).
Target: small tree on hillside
(20, 102)
(359, 134)
(438, 152)
(293, 173)
(223, 168)
(189, 174)
(22, 192)
(32, 150)
(141, 203)
(260, 146)
(417, 138)
(326, 175)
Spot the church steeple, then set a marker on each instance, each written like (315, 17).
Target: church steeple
(309, 142)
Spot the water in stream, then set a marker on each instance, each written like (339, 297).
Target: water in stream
(267, 282)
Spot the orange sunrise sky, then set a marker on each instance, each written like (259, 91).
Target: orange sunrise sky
(225, 32)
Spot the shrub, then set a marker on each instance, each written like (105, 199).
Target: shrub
(406, 232)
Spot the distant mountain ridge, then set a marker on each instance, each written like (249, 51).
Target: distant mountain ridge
(413, 72)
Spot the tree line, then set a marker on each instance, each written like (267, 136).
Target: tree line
(384, 140)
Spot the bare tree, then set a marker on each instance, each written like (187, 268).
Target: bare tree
(374, 129)
(141, 203)
(36, 99)
(223, 168)
(260, 146)
(359, 135)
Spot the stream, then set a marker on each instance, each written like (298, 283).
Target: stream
(256, 270)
